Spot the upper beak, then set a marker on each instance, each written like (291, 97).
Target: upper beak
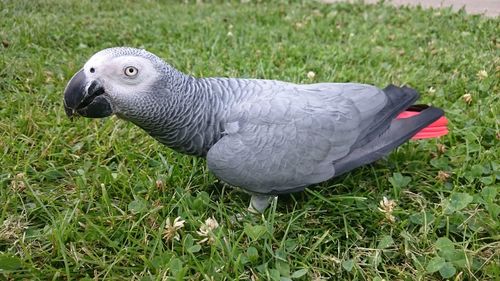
(85, 98)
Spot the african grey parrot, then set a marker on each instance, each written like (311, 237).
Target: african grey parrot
(267, 137)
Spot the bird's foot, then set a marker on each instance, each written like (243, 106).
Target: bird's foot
(259, 203)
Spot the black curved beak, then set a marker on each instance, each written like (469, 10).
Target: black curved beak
(85, 98)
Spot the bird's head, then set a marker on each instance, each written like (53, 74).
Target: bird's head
(111, 80)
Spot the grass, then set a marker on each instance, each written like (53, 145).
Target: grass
(90, 199)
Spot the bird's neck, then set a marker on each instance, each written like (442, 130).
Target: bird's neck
(183, 116)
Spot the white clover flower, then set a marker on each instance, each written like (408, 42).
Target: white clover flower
(387, 207)
(467, 98)
(311, 75)
(482, 74)
(206, 230)
(171, 229)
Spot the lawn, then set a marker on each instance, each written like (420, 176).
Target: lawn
(97, 199)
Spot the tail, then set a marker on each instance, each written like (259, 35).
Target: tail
(401, 129)
(437, 129)
(398, 99)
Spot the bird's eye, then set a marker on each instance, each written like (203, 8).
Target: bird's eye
(131, 71)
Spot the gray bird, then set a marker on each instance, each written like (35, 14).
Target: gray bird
(267, 137)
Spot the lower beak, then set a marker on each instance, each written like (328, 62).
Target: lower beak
(85, 98)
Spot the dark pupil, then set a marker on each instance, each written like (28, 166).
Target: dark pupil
(131, 70)
(92, 70)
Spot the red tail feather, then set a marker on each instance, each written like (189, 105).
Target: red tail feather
(434, 130)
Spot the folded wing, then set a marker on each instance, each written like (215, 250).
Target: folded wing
(286, 136)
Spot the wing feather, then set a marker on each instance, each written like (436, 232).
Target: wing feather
(288, 135)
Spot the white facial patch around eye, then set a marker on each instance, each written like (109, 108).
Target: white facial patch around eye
(123, 84)
(108, 68)
(143, 68)
(110, 71)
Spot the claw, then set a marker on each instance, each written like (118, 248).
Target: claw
(259, 203)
